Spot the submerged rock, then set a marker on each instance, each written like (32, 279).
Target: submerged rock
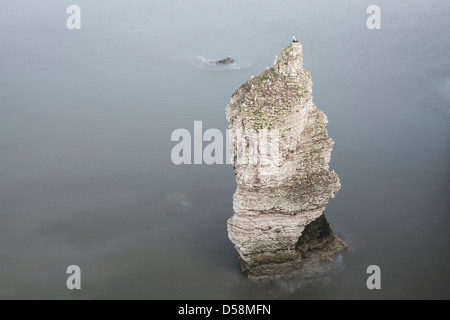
(280, 151)
(224, 62)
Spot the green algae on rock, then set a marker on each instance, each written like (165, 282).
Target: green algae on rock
(283, 177)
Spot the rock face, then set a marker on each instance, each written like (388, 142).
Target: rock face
(280, 151)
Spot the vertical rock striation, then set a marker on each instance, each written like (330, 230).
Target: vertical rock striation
(280, 151)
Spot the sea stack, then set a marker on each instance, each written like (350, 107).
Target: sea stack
(280, 151)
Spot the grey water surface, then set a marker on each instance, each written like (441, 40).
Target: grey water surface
(86, 118)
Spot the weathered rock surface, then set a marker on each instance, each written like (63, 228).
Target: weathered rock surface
(283, 182)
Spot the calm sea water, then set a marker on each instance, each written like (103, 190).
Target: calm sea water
(86, 118)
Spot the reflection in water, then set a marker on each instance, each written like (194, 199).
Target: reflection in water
(321, 276)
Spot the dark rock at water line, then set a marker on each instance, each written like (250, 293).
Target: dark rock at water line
(224, 62)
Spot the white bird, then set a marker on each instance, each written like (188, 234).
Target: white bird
(251, 186)
(252, 76)
(294, 39)
(244, 105)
